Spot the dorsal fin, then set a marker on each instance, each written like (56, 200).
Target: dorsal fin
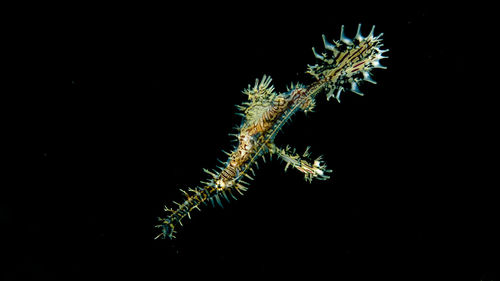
(261, 89)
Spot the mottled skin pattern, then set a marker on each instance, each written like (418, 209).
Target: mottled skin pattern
(346, 64)
(252, 137)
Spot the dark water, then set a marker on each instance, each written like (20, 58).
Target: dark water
(151, 102)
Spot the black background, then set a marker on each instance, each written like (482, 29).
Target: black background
(151, 102)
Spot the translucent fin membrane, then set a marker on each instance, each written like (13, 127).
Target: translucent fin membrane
(348, 62)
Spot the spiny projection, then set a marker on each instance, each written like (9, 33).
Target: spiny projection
(341, 67)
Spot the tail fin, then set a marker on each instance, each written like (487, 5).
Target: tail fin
(347, 62)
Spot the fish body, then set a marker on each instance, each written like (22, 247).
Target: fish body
(344, 65)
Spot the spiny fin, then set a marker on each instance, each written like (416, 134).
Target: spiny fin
(355, 57)
(261, 89)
